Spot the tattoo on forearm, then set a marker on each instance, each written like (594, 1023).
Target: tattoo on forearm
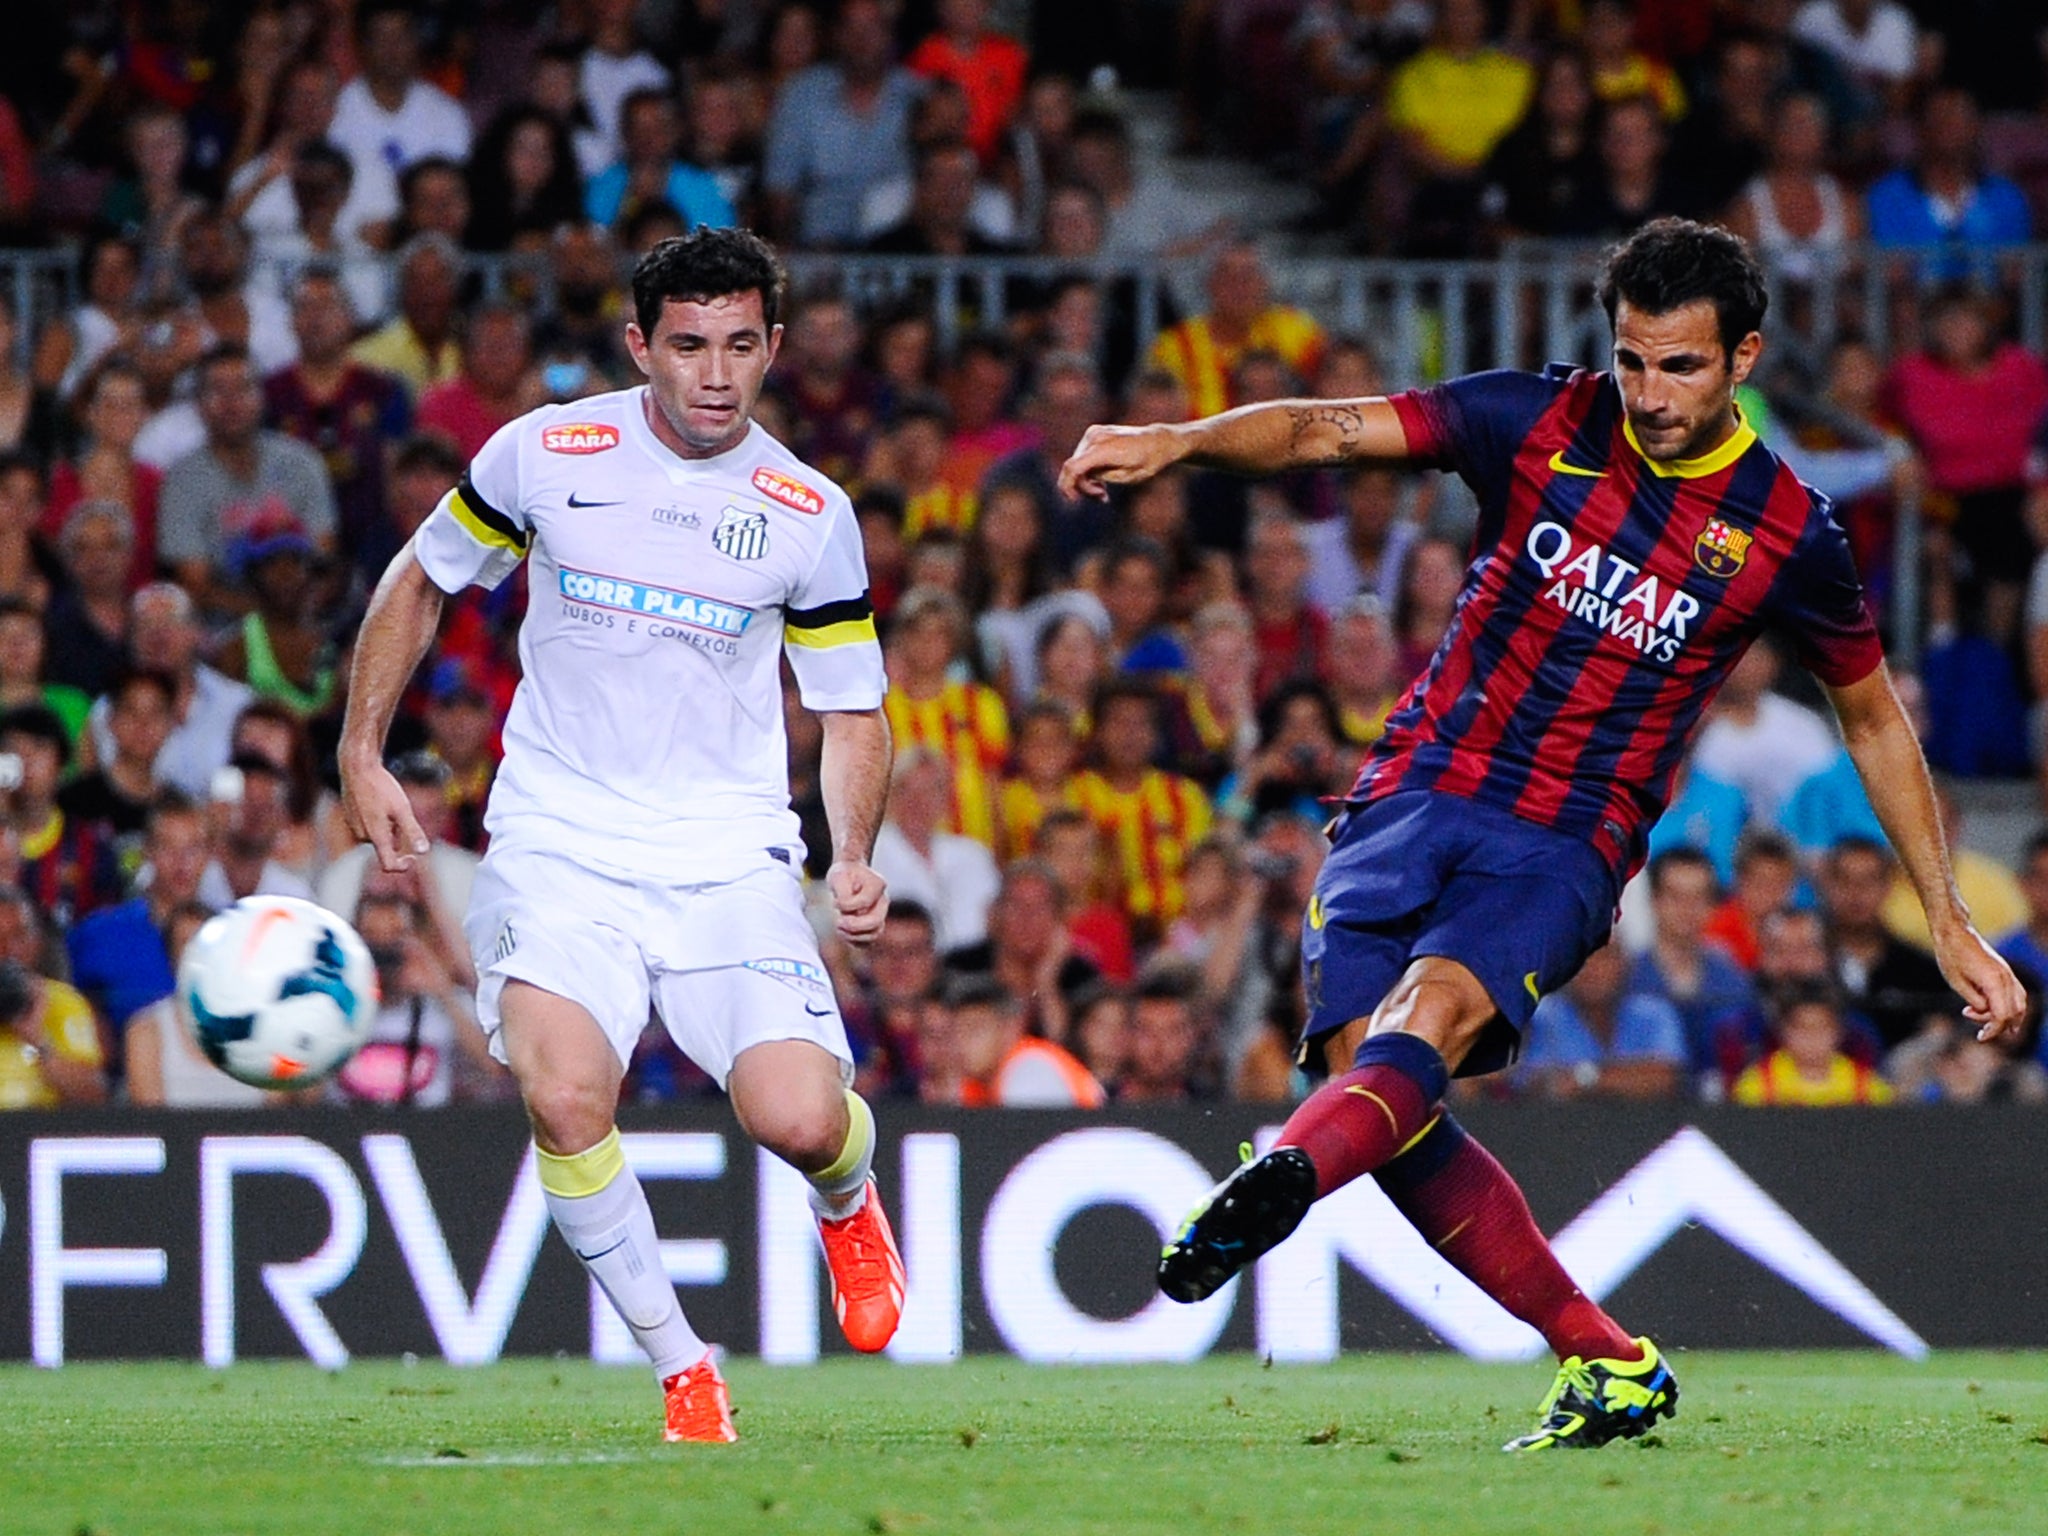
(1324, 434)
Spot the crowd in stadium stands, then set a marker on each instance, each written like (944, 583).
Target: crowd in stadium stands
(1116, 727)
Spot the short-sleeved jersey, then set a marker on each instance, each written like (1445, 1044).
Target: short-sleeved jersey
(646, 737)
(1607, 599)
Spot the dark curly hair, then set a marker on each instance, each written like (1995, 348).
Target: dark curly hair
(1669, 263)
(707, 264)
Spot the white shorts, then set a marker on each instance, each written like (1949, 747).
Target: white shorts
(726, 964)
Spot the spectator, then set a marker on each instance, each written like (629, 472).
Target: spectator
(2027, 943)
(902, 976)
(437, 887)
(1808, 1067)
(523, 181)
(834, 400)
(260, 191)
(1346, 49)
(1202, 352)
(1102, 1026)
(346, 412)
(227, 308)
(70, 869)
(494, 386)
(118, 954)
(281, 649)
(87, 622)
(1041, 777)
(939, 120)
(1703, 814)
(1431, 577)
(1164, 1042)
(388, 115)
(1946, 199)
(1150, 817)
(1133, 591)
(1212, 721)
(419, 343)
(1009, 587)
(1545, 169)
(1597, 1037)
(614, 66)
(940, 219)
(1795, 212)
(1873, 41)
(1363, 683)
(1449, 106)
(721, 135)
(652, 171)
(1029, 952)
(963, 722)
(217, 491)
(910, 458)
(153, 205)
(989, 68)
(952, 877)
(1758, 740)
(106, 469)
(1950, 1065)
(1724, 138)
(23, 647)
(1299, 763)
(1149, 217)
(250, 814)
(1001, 1064)
(1291, 636)
(163, 638)
(1895, 985)
(434, 200)
(21, 502)
(1970, 402)
(1766, 879)
(462, 727)
(836, 130)
(1700, 981)
(1065, 399)
(1993, 897)
(1620, 70)
(1635, 182)
(1364, 549)
(424, 1026)
(1072, 847)
(319, 186)
(49, 1046)
(109, 322)
(586, 331)
(1792, 951)
(120, 792)
(162, 1066)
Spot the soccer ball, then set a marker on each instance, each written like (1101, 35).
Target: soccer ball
(277, 992)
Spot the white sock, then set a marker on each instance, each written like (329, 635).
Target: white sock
(839, 1191)
(611, 1230)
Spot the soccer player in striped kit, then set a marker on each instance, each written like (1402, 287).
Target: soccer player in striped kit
(1635, 537)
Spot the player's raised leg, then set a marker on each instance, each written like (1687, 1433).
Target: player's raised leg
(791, 1097)
(569, 1075)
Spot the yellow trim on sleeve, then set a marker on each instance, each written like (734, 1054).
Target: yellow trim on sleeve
(824, 638)
(582, 1173)
(477, 528)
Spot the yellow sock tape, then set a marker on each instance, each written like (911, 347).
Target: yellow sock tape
(582, 1173)
(860, 1135)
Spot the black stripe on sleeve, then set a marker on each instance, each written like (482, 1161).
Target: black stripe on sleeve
(846, 610)
(489, 515)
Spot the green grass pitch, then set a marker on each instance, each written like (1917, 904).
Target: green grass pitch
(1835, 1443)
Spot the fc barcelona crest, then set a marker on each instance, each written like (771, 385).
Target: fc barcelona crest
(1720, 549)
(742, 535)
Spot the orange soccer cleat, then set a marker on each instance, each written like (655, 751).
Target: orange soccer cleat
(867, 1274)
(698, 1408)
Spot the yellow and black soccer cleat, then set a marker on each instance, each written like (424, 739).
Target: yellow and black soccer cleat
(1595, 1401)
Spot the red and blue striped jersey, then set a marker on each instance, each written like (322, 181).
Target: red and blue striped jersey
(1607, 599)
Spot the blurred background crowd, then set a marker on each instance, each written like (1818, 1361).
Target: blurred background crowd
(270, 273)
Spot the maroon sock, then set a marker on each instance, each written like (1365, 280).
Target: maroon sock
(1355, 1123)
(1459, 1198)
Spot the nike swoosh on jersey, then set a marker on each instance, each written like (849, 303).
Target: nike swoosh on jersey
(575, 503)
(1557, 463)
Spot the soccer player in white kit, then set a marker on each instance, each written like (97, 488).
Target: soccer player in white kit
(643, 851)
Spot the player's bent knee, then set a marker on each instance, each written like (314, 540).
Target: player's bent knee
(1442, 1003)
(568, 1117)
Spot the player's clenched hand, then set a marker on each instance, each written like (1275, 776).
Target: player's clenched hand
(1993, 998)
(1108, 456)
(378, 812)
(860, 897)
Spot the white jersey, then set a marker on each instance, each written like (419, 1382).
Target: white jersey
(646, 737)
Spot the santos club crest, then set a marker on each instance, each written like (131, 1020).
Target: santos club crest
(1721, 549)
(742, 535)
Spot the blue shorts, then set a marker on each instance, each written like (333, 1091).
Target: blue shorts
(1420, 873)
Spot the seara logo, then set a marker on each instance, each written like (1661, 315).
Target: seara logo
(777, 486)
(580, 437)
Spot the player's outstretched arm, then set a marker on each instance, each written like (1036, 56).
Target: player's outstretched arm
(1887, 756)
(1264, 439)
(404, 613)
(853, 775)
